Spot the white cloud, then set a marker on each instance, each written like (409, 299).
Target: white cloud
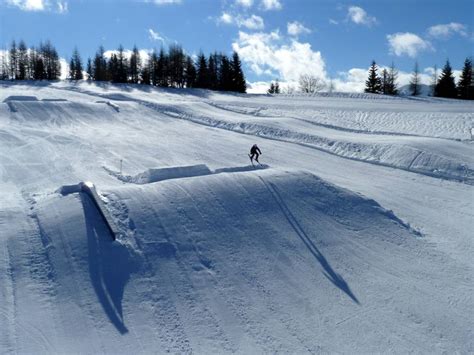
(62, 7)
(407, 43)
(271, 5)
(28, 5)
(252, 23)
(351, 81)
(270, 54)
(244, 3)
(333, 22)
(154, 36)
(295, 28)
(164, 2)
(360, 17)
(144, 53)
(226, 18)
(447, 30)
(59, 6)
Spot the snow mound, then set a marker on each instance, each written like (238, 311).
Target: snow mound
(179, 172)
(257, 261)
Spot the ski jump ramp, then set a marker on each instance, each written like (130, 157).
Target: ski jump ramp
(89, 189)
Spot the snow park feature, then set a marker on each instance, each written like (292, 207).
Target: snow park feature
(354, 236)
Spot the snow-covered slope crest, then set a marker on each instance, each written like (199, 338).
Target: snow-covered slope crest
(351, 127)
(257, 261)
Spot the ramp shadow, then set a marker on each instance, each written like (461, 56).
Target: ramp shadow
(329, 272)
(110, 265)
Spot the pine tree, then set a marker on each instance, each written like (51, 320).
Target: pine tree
(13, 60)
(191, 74)
(238, 79)
(75, 66)
(22, 61)
(271, 89)
(122, 66)
(213, 72)
(277, 87)
(392, 81)
(385, 81)
(89, 69)
(3, 68)
(465, 86)
(202, 72)
(176, 66)
(38, 64)
(153, 64)
(415, 89)
(446, 86)
(225, 74)
(100, 71)
(72, 69)
(112, 69)
(434, 81)
(373, 84)
(162, 69)
(135, 66)
(146, 73)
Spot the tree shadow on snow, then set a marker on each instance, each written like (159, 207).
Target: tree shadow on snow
(110, 265)
(329, 272)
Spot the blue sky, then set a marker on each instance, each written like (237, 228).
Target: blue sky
(275, 38)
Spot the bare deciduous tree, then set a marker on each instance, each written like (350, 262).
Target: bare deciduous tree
(311, 84)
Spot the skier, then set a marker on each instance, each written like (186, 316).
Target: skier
(254, 152)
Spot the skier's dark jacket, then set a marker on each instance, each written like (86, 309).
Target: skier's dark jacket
(255, 150)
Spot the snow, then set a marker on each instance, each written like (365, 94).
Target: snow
(355, 236)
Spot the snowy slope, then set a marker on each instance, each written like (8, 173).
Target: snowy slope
(303, 254)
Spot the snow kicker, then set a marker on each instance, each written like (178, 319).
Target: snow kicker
(89, 189)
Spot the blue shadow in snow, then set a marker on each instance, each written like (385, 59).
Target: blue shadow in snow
(329, 272)
(110, 265)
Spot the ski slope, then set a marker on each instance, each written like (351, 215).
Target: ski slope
(355, 236)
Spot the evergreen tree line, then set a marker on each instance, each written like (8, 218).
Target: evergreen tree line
(171, 68)
(35, 63)
(443, 85)
(166, 68)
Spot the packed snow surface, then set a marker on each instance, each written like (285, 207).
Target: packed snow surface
(353, 236)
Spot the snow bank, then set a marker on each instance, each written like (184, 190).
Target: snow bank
(396, 155)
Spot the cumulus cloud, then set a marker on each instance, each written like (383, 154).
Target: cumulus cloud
(447, 30)
(271, 5)
(244, 3)
(39, 5)
(407, 43)
(253, 22)
(295, 28)
(360, 17)
(154, 36)
(270, 54)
